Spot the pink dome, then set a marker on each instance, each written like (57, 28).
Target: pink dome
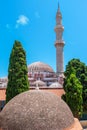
(39, 67)
(56, 85)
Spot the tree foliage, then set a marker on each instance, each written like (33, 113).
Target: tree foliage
(73, 96)
(81, 73)
(17, 72)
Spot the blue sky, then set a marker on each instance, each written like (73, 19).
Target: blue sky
(32, 22)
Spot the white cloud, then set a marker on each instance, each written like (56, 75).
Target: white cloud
(37, 15)
(22, 20)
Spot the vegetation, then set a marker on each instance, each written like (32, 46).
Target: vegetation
(73, 96)
(80, 70)
(17, 72)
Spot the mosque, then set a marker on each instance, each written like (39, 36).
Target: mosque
(43, 72)
(40, 109)
(41, 75)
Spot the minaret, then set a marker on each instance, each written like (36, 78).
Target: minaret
(59, 44)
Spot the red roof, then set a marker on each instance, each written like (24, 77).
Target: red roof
(2, 93)
(57, 91)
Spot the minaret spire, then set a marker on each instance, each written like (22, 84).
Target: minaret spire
(59, 44)
(58, 7)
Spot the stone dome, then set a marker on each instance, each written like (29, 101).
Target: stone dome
(36, 110)
(39, 67)
(39, 83)
(56, 85)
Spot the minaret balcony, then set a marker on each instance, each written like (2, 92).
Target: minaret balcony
(59, 27)
(59, 15)
(59, 43)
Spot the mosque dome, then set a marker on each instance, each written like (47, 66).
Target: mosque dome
(36, 110)
(39, 67)
(39, 83)
(56, 85)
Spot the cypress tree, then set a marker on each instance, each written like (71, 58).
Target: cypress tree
(17, 72)
(73, 96)
(81, 73)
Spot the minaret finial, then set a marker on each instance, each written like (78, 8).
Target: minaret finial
(58, 7)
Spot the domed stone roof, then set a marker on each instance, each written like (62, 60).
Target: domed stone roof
(39, 83)
(39, 66)
(56, 85)
(36, 110)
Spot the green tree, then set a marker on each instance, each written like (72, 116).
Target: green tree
(73, 96)
(81, 73)
(17, 72)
